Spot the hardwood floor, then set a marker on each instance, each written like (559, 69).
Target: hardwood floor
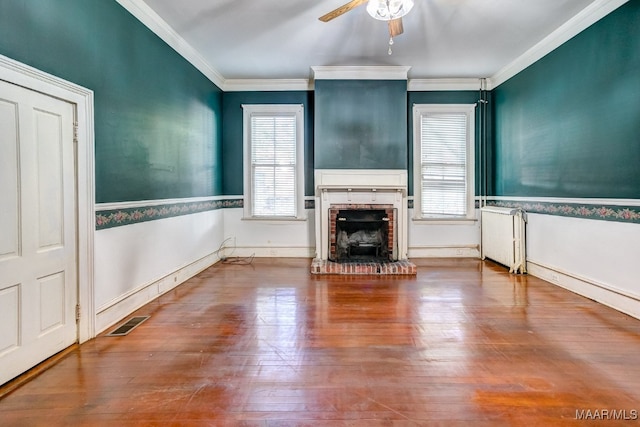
(268, 344)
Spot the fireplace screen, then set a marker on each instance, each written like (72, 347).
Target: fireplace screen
(359, 234)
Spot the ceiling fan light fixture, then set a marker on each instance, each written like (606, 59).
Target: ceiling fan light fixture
(386, 10)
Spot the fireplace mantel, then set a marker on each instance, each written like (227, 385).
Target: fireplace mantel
(360, 187)
(361, 179)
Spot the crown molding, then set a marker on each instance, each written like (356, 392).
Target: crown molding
(157, 25)
(366, 72)
(417, 85)
(245, 85)
(587, 17)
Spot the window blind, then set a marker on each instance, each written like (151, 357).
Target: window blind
(273, 165)
(444, 163)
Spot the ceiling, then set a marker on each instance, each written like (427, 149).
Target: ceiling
(283, 39)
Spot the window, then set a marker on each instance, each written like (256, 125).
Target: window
(273, 161)
(443, 161)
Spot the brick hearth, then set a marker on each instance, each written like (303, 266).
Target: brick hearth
(319, 266)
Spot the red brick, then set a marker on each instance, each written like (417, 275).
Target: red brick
(370, 268)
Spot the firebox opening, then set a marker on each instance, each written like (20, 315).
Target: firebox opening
(362, 235)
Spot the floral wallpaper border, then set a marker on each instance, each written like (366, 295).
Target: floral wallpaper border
(125, 216)
(575, 210)
(118, 217)
(109, 218)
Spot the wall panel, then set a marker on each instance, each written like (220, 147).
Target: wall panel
(157, 118)
(361, 124)
(569, 125)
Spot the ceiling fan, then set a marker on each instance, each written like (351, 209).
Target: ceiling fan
(391, 11)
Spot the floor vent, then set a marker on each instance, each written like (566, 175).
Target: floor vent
(127, 326)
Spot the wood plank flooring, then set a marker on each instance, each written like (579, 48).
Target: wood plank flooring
(268, 344)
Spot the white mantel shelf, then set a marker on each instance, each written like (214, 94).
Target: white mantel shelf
(322, 191)
(343, 187)
(361, 179)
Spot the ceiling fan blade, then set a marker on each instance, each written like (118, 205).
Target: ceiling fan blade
(341, 10)
(395, 27)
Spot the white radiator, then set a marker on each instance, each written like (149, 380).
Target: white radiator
(503, 233)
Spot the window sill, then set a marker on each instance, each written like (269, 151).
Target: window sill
(275, 219)
(445, 221)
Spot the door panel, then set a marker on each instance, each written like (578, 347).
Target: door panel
(52, 304)
(10, 207)
(38, 285)
(50, 196)
(9, 327)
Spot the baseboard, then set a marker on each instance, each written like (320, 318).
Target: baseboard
(608, 295)
(270, 252)
(310, 252)
(111, 313)
(444, 252)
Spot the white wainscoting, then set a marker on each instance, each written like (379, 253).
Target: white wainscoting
(444, 239)
(136, 263)
(295, 238)
(593, 258)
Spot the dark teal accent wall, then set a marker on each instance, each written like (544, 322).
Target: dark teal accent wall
(157, 118)
(569, 125)
(232, 159)
(454, 97)
(361, 124)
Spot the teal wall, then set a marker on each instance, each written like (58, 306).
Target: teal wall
(454, 97)
(361, 124)
(157, 118)
(569, 125)
(232, 137)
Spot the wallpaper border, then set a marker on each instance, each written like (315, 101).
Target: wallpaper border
(584, 209)
(120, 214)
(109, 218)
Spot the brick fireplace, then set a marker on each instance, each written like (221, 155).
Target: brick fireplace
(361, 222)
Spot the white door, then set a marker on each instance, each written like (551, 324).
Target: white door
(38, 285)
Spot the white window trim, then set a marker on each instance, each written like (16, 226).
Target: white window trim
(418, 111)
(248, 111)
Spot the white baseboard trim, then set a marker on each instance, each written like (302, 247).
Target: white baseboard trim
(617, 299)
(309, 252)
(444, 252)
(270, 252)
(114, 311)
